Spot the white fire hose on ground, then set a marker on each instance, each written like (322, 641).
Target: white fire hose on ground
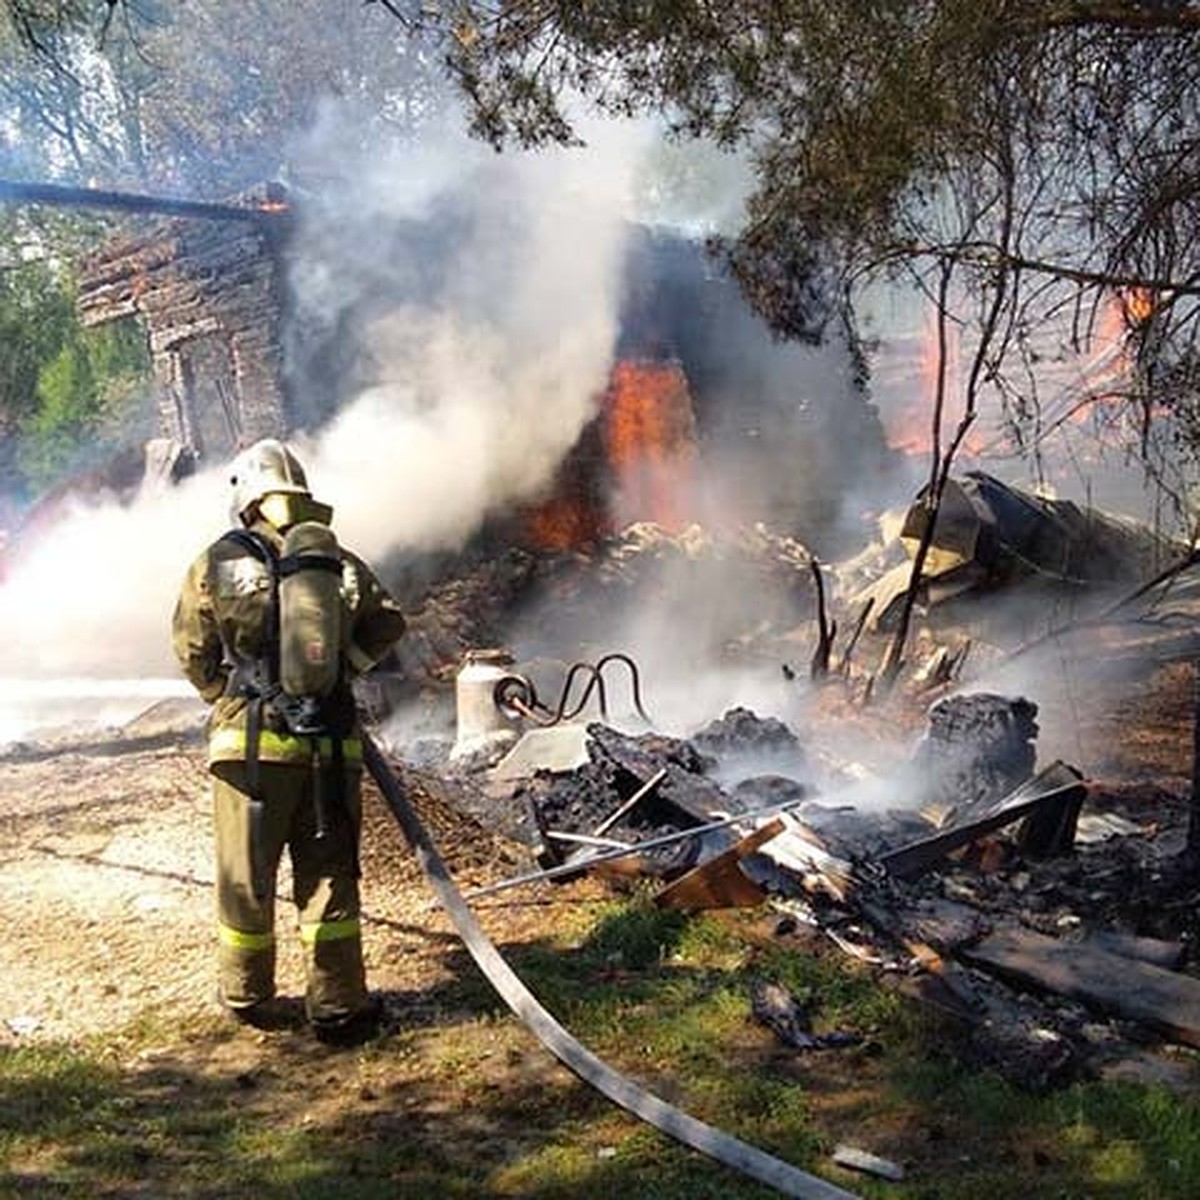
(724, 1147)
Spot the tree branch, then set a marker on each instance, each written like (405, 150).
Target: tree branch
(1111, 14)
(991, 256)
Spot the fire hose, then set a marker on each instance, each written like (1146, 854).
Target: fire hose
(723, 1147)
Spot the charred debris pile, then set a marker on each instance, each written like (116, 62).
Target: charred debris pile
(1029, 905)
(1038, 908)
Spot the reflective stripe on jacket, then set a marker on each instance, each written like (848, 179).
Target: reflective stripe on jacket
(228, 743)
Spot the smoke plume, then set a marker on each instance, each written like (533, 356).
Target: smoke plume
(479, 357)
(466, 396)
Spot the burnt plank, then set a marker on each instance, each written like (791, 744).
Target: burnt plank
(719, 882)
(799, 852)
(1048, 786)
(1160, 953)
(1165, 1001)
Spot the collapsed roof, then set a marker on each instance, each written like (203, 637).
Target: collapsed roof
(989, 533)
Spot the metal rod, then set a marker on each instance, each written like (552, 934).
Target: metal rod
(591, 860)
(19, 192)
(583, 839)
(629, 804)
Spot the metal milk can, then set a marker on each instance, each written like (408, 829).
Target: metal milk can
(479, 717)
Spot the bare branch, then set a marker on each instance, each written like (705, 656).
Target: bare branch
(1114, 15)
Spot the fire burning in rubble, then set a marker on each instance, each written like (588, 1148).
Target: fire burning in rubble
(650, 435)
(636, 463)
(570, 520)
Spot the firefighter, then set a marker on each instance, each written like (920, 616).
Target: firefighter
(273, 787)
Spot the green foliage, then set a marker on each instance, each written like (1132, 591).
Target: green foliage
(81, 394)
(63, 388)
(67, 409)
(35, 314)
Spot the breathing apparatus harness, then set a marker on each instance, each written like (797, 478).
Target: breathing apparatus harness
(300, 675)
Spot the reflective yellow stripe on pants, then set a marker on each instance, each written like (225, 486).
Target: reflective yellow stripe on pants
(330, 931)
(239, 939)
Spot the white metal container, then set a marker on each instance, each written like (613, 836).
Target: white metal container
(479, 718)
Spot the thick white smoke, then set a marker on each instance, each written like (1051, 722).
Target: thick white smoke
(477, 360)
(472, 402)
(476, 388)
(91, 598)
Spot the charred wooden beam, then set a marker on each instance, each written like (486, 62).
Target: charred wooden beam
(1055, 782)
(826, 631)
(859, 625)
(59, 196)
(1138, 991)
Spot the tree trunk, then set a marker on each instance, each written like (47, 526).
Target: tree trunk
(1191, 851)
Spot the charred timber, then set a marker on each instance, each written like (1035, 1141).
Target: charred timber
(14, 192)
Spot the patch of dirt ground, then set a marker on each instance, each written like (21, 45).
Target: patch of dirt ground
(106, 874)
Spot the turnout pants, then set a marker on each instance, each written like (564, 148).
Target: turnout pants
(250, 839)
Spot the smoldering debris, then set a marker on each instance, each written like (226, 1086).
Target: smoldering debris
(734, 595)
(991, 536)
(877, 810)
(974, 931)
(935, 848)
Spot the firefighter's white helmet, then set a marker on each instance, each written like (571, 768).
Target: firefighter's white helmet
(266, 467)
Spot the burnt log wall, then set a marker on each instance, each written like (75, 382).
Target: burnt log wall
(210, 295)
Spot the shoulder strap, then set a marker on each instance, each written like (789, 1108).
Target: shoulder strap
(253, 543)
(256, 545)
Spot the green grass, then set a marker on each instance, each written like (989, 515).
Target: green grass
(465, 1104)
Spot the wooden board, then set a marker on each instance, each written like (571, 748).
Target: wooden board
(1163, 1000)
(719, 883)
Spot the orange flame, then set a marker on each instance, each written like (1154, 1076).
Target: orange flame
(565, 524)
(650, 437)
(635, 462)
(909, 428)
(1108, 372)
(1139, 305)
